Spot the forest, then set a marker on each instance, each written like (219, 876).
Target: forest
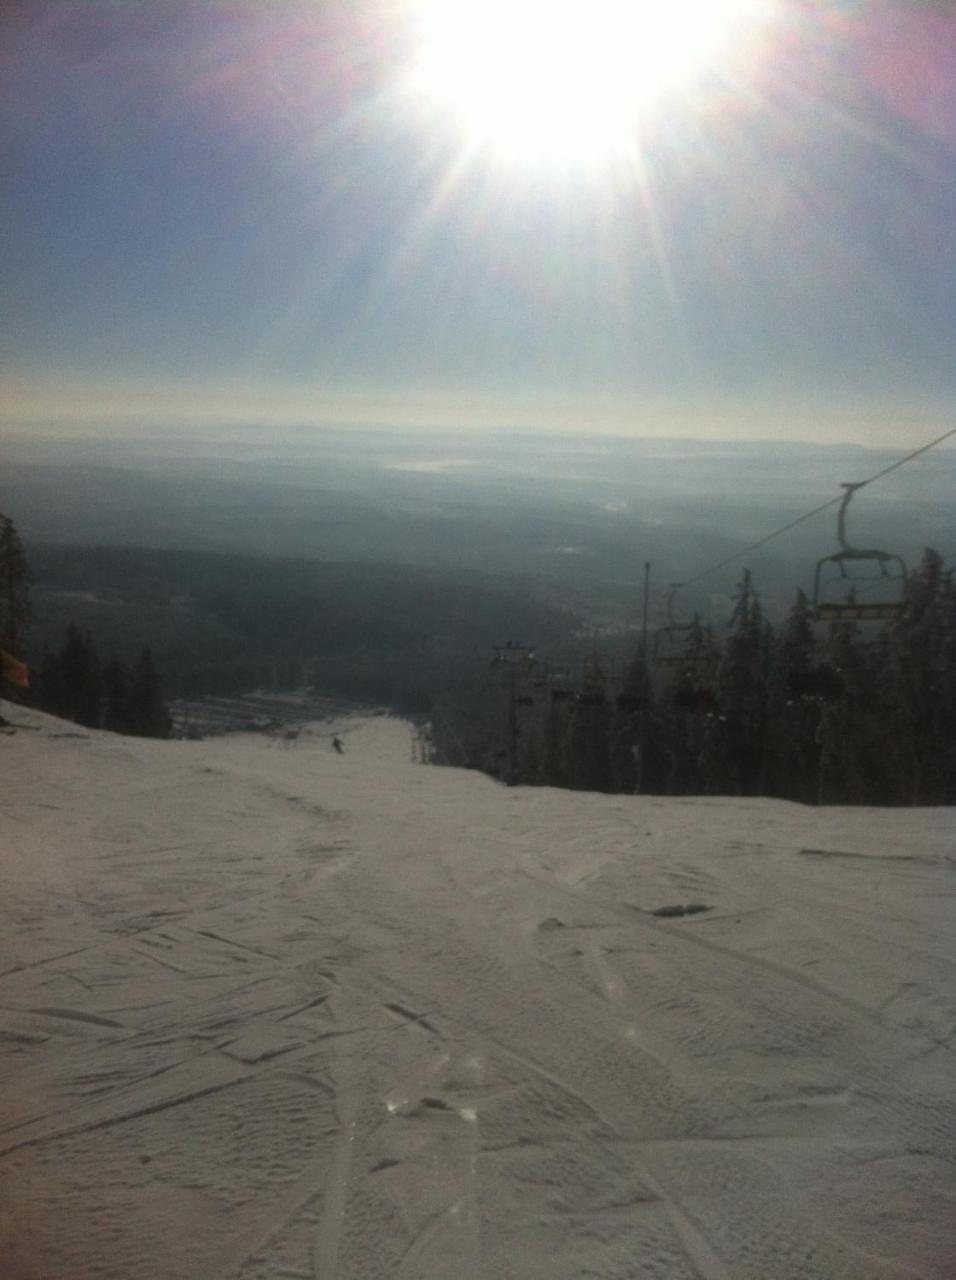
(226, 624)
(848, 713)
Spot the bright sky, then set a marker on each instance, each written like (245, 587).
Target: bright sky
(737, 221)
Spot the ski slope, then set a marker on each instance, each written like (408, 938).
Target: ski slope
(268, 1012)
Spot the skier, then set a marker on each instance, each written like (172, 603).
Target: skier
(337, 745)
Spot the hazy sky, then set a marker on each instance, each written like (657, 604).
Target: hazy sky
(223, 209)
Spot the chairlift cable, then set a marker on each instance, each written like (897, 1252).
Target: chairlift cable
(824, 506)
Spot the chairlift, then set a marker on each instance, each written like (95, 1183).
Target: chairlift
(891, 569)
(559, 679)
(670, 646)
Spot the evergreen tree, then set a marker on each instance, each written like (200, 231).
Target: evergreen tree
(51, 696)
(589, 741)
(589, 731)
(691, 735)
(855, 717)
(148, 715)
(794, 702)
(844, 723)
(920, 684)
(530, 767)
(742, 679)
(80, 682)
(556, 764)
(633, 731)
(946, 604)
(73, 685)
(15, 613)
(116, 697)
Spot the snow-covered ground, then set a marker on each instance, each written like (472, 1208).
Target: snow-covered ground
(268, 1011)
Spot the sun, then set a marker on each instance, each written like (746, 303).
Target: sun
(569, 80)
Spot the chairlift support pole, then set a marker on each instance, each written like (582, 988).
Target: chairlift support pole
(645, 682)
(512, 726)
(674, 588)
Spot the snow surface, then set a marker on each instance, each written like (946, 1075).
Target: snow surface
(267, 1012)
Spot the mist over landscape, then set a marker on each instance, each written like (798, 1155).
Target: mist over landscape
(573, 517)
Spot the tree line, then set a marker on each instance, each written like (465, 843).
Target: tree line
(224, 624)
(845, 715)
(74, 683)
(852, 716)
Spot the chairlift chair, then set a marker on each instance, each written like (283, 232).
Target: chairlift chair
(670, 648)
(559, 679)
(668, 644)
(891, 568)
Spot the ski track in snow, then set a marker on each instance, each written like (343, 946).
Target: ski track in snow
(288, 1014)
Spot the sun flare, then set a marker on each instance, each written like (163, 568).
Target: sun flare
(568, 80)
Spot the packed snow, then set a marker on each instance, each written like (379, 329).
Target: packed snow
(268, 1011)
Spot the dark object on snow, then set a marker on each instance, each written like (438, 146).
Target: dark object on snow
(549, 925)
(688, 909)
(337, 745)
